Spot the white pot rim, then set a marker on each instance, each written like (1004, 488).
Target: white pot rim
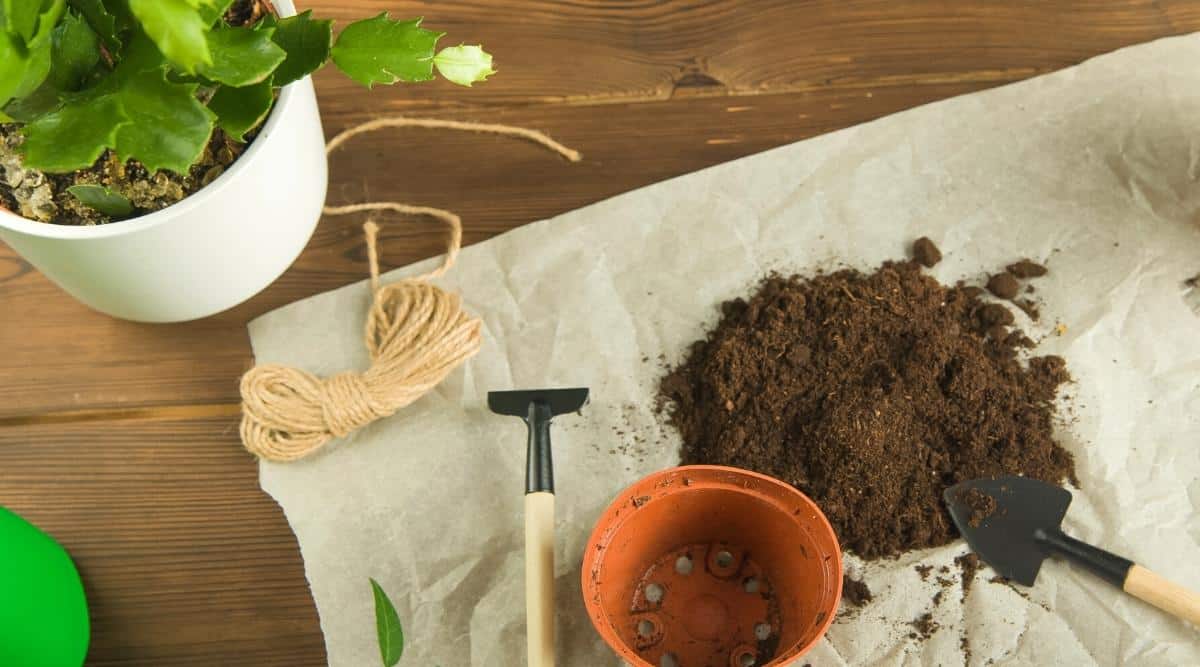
(17, 223)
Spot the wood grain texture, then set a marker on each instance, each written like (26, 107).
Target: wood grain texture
(120, 438)
(184, 560)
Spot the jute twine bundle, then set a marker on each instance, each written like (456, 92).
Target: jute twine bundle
(416, 334)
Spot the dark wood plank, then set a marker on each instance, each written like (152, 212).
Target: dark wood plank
(598, 52)
(184, 559)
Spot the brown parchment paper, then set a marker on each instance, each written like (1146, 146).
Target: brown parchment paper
(1092, 170)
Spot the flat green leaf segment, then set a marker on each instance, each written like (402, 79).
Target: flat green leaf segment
(168, 126)
(102, 199)
(387, 627)
(21, 18)
(101, 21)
(464, 65)
(74, 54)
(74, 136)
(177, 28)
(380, 50)
(135, 111)
(211, 10)
(240, 110)
(25, 44)
(241, 56)
(307, 43)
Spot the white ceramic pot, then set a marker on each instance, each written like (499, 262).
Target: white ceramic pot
(210, 251)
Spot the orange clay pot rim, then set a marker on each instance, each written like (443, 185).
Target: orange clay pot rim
(602, 528)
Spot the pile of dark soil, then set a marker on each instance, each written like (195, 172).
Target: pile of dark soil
(872, 393)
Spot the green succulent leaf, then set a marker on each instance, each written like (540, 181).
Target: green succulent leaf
(464, 65)
(387, 627)
(307, 43)
(135, 110)
(21, 18)
(168, 126)
(177, 29)
(47, 20)
(211, 10)
(25, 62)
(241, 56)
(380, 50)
(102, 199)
(240, 110)
(74, 136)
(13, 63)
(32, 71)
(34, 105)
(74, 54)
(102, 22)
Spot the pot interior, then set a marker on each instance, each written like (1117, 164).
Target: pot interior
(705, 565)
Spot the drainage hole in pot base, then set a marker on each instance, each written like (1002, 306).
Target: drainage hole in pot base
(705, 604)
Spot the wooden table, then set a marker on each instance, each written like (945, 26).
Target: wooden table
(121, 440)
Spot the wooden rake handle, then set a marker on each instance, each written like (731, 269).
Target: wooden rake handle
(539, 578)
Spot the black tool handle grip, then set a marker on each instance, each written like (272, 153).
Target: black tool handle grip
(539, 466)
(1109, 566)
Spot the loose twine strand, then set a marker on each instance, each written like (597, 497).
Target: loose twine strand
(415, 333)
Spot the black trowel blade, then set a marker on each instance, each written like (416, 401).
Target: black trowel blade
(1005, 539)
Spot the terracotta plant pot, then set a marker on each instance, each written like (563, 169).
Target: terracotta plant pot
(708, 565)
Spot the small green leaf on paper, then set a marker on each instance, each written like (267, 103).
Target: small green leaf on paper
(307, 43)
(464, 65)
(387, 627)
(240, 110)
(241, 56)
(177, 29)
(102, 199)
(380, 50)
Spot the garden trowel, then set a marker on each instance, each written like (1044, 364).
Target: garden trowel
(537, 407)
(1022, 529)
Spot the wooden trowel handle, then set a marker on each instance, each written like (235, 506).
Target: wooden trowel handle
(539, 578)
(1166, 595)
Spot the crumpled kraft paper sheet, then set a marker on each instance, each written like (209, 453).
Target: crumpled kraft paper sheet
(1092, 170)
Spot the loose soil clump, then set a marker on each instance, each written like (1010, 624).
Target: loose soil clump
(1004, 285)
(855, 591)
(969, 564)
(872, 393)
(1026, 269)
(981, 505)
(925, 252)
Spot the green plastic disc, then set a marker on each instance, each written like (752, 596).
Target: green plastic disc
(43, 611)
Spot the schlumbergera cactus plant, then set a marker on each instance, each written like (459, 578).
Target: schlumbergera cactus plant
(113, 108)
